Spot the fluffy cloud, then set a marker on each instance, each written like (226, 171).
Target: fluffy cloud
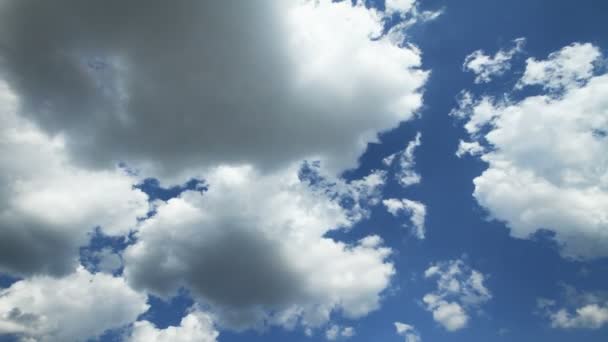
(74, 308)
(264, 83)
(405, 163)
(47, 204)
(196, 326)
(546, 154)
(459, 288)
(585, 310)
(253, 247)
(486, 67)
(336, 332)
(415, 210)
(409, 332)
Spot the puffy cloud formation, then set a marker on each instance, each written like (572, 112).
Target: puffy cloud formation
(415, 210)
(196, 326)
(546, 154)
(253, 247)
(485, 67)
(586, 310)
(47, 204)
(336, 332)
(405, 163)
(459, 288)
(264, 83)
(73, 308)
(409, 332)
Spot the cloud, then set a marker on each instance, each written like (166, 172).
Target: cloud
(409, 332)
(486, 67)
(336, 332)
(253, 247)
(552, 145)
(459, 288)
(47, 204)
(415, 210)
(196, 326)
(73, 308)
(405, 162)
(265, 83)
(569, 67)
(586, 310)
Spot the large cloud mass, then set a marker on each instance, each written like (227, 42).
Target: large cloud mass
(548, 166)
(253, 247)
(170, 87)
(48, 205)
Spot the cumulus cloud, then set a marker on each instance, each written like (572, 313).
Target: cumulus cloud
(415, 210)
(554, 146)
(73, 308)
(408, 331)
(336, 332)
(459, 288)
(196, 326)
(486, 67)
(264, 83)
(405, 162)
(253, 247)
(47, 204)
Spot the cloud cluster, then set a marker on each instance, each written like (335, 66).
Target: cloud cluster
(235, 94)
(254, 248)
(73, 308)
(546, 154)
(459, 289)
(196, 326)
(415, 210)
(486, 67)
(409, 332)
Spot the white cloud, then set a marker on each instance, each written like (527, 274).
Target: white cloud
(586, 310)
(459, 288)
(567, 68)
(409, 332)
(293, 80)
(553, 147)
(336, 332)
(268, 262)
(415, 210)
(405, 162)
(196, 326)
(74, 308)
(47, 204)
(485, 67)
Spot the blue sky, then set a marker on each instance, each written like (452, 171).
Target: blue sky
(165, 160)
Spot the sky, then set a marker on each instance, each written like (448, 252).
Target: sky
(303, 170)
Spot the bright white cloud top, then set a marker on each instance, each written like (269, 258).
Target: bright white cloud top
(459, 290)
(196, 326)
(546, 153)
